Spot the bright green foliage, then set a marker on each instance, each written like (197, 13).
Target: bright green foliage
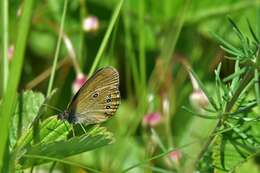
(52, 146)
(156, 46)
(236, 136)
(27, 107)
(55, 135)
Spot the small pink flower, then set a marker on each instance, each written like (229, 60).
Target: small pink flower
(199, 99)
(10, 52)
(152, 119)
(175, 156)
(90, 24)
(78, 82)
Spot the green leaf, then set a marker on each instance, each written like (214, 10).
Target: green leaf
(200, 114)
(228, 46)
(229, 152)
(53, 144)
(234, 75)
(235, 27)
(9, 97)
(50, 130)
(252, 31)
(225, 156)
(27, 107)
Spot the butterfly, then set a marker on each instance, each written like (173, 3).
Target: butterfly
(96, 101)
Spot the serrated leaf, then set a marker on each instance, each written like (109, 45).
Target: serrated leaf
(224, 156)
(95, 138)
(227, 154)
(27, 107)
(51, 129)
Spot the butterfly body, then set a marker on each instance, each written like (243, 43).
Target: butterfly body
(96, 101)
(70, 117)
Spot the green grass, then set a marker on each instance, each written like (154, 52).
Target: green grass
(57, 48)
(5, 44)
(9, 96)
(155, 46)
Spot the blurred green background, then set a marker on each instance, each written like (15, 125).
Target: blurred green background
(151, 45)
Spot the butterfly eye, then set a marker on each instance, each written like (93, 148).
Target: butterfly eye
(95, 95)
(107, 107)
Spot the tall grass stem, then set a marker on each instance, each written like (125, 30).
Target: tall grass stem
(142, 60)
(9, 97)
(5, 44)
(57, 51)
(106, 37)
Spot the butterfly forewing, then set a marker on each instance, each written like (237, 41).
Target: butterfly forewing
(98, 98)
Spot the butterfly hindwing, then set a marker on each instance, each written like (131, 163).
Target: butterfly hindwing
(98, 98)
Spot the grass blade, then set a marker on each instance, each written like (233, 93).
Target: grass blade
(5, 44)
(141, 44)
(155, 157)
(68, 162)
(106, 37)
(57, 51)
(6, 109)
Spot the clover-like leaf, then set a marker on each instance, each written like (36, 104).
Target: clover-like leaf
(93, 138)
(27, 107)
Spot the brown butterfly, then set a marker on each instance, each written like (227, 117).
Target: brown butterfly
(96, 101)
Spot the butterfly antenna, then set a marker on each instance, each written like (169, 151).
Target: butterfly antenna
(52, 107)
(83, 128)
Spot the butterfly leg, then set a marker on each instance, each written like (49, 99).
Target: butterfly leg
(83, 128)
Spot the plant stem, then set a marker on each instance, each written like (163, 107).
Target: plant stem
(257, 94)
(81, 52)
(71, 52)
(156, 157)
(106, 37)
(45, 74)
(5, 44)
(68, 162)
(129, 49)
(247, 78)
(142, 60)
(57, 51)
(9, 98)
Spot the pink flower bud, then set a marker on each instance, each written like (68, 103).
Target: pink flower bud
(198, 99)
(175, 156)
(90, 24)
(152, 119)
(78, 82)
(10, 52)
